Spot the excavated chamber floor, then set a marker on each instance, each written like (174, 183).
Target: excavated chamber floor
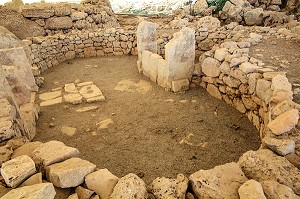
(146, 130)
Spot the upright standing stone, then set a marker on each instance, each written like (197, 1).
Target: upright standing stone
(180, 55)
(146, 39)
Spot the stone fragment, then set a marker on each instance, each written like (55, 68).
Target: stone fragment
(70, 88)
(69, 131)
(61, 10)
(5, 153)
(59, 23)
(50, 95)
(214, 91)
(105, 123)
(34, 179)
(38, 191)
(29, 114)
(15, 171)
(26, 149)
(221, 53)
(294, 159)
(73, 196)
(85, 109)
(284, 106)
(130, 186)
(31, 12)
(51, 102)
(271, 75)
(220, 182)
(8, 40)
(231, 81)
(69, 173)
(83, 193)
(73, 98)
(169, 188)
(238, 104)
(263, 165)
(180, 85)
(53, 152)
(102, 182)
(247, 67)
(254, 17)
(211, 67)
(90, 91)
(209, 22)
(281, 83)
(251, 190)
(284, 122)
(280, 146)
(200, 6)
(75, 16)
(263, 89)
(276, 190)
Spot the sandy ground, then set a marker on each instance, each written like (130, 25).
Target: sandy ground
(144, 129)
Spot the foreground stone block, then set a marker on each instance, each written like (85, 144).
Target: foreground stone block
(8, 40)
(251, 190)
(69, 173)
(220, 182)
(53, 152)
(38, 191)
(15, 171)
(169, 188)
(130, 186)
(31, 12)
(29, 115)
(264, 165)
(180, 55)
(180, 85)
(276, 190)
(284, 122)
(102, 182)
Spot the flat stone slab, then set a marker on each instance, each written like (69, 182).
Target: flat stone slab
(90, 91)
(38, 191)
(105, 123)
(85, 109)
(52, 102)
(69, 173)
(69, 131)
(49, 95)
(73, 98)
(53, 152)
(15, 171)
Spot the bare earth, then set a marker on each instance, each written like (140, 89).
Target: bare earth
(154, 132)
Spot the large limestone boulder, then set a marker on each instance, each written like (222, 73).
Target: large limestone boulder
(130, 186)
(169, 188)
(211, 67)
(38, 191)
(264, 165)
(254, 17)
(69, 173)
(58, 23)
(8, 40)
(251, 190)
(276, 190)
(53, 152)
(220, 182)
(102, 182)
(15, 171)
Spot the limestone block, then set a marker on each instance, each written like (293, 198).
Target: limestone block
(153, 66)
(211, 67)
(50, 102)
(70, 55)
(34, 179)
(49, 95)
(276, 190)
(91, 91)
(180, 85)
(200, 6)
(252, 79)
(130, 186)
(73, 196)
(263, 89)
(146, 37)
(38, 191)
(15, 171)
(238, 61)
(220, 182)
(271, 75)
(247, 67)
(37, 12)
(162, 73)
(59, 23)
(16, 57)
(53, 152)
(69, 173)
(83, 193)
(209, 22)
(102, 182)
(29, 115)
(61, 10)
(254, 17)
(251, 190)
(146, 62)
(8, 40)
(220, 54)
(263, 165)
(284, 106)
(214, 91)
(169, 188)
(73, 98)
(231, 81)
(284, 122)
(26, 149)
(238, 104)
(280, 146)
(294, 159)
(280, 83)
(75, 16)
(180, 54)
(90, 52)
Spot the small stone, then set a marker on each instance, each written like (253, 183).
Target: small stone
(26, 149)
(38, 191)
(51, 102)
(102, 182)
(69, 131)
(15, 171)
(280, 146)
(105, 123)
(50, 95)
(83, 193)
(247, 67)
(251, 190)
(284, 122)
(85, 109)
(69, 173)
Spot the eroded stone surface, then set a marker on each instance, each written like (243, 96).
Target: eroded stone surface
(251, 190)
(280, 146)
(276, 190)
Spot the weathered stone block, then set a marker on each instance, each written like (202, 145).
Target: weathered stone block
(211, 67)
(59, 23)
(37, 13)
(180, 85)
(251, 190)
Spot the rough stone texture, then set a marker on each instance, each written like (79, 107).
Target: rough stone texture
(200, 6)
(211, 67)
(254, 17)
(26, 149)
(264, 165)
(294, 159)
(38, 191)
(15, 171)
(211, 23)
(169, 188)
(58, 23)
(8, 40)
(220, 182)
(130, 186)
(53, 152)
(280, 146)
(102, 182)
(276, 190)
(251, 190)
(284, 122)
(83, 193)
(29, 115)
(30, 12)
(180, 85)
(214, 91)
(69, 173)
(34, 179)
(263, 89)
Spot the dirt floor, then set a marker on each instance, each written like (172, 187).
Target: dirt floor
(154, 132)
